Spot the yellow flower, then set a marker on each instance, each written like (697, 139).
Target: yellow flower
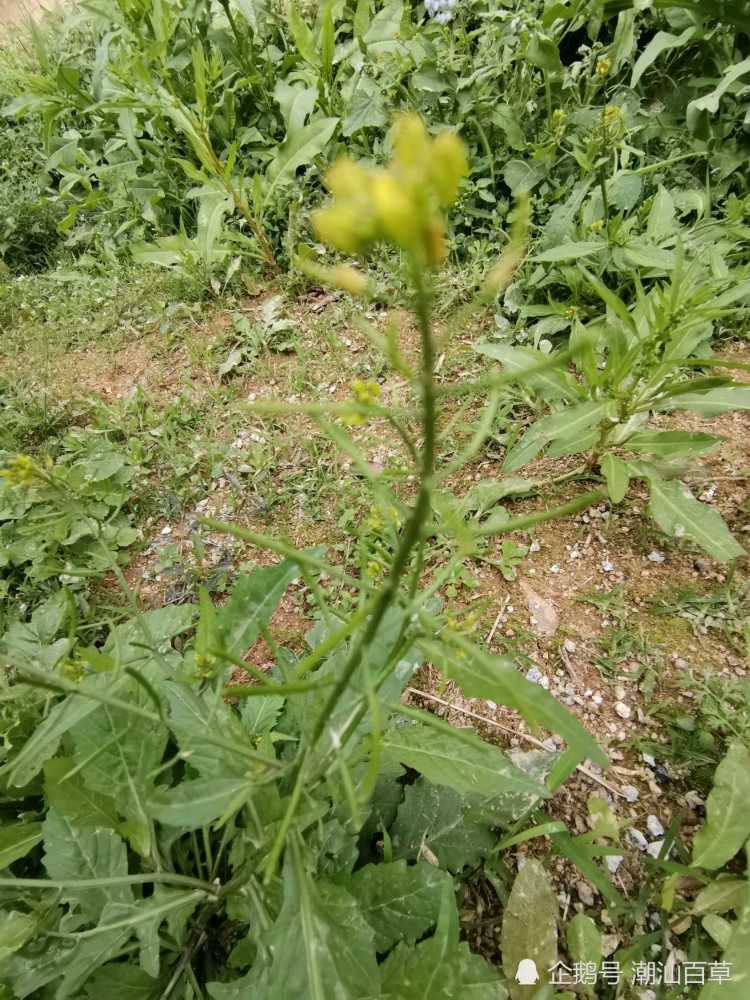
(402, 203)
(365, 392)
(20, 471)
(603, 66)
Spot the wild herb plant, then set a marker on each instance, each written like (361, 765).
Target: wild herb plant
(183, 832)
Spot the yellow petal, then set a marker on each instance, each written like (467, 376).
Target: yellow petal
(410, 141)
(340, 226)
(347, 179)
(447, 166)
(397, 210)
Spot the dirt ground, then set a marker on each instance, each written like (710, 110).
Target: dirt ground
(13, 12)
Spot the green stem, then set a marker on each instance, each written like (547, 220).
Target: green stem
(539, 517)
(100, 883)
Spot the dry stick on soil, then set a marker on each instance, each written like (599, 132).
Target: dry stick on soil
(507, 729)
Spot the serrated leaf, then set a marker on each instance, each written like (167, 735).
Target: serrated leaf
(727, 825)
(71, 797)
(74, 852)
(319, 946)
(45, 741)
(530, 927)
(444, 821)
(298, 150)
(440, 968)
(617, 475)
(16, 840)
(399, 902)
(207, 733)
(680, 515)
(118, 751)
(464, 762)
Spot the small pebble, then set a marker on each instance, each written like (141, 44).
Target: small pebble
(535, 675)
(637, 839)
(622, 709)
(655, 557)
(585, 893)
(534, 547)
(631, 793)
(607, 566)
(569, 646)
(654, 849)
(654, 826)
(613, 862)
(555, 568)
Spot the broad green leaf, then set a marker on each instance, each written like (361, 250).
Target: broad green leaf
(522, 176)
(530, 926)
(193, 804)
(727, 892)
(661, 42)
(440, 968)
(296, 102)
(661, 218)
(481, 675)
(717, 928)
(209, 733)
(680, 515)
(617, 475)
(117, 752)
(75, 852)
(399, 902)
(74, 799)
(16, 840)
(252, 601)
(584, 939)
(643, 254)
(727, 825)
(572, 421)
(463, 763)
(320, 947)
(712, 403)
(670, 444)
(15, 930)
(118, 981)
(298, 150)
(446, 822)
(568, 251)
(32, 756)
(383, 31)
(552, 384)
(737, 956)
(700, 109)
(92, 953)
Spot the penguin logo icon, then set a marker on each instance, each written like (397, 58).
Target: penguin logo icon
(526, 974)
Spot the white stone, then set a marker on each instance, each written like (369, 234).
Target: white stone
(654, 826)
(622, 709)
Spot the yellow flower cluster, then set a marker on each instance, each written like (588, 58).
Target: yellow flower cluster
(603, 66)
(366, 393)
(20, 471)
(402, 203)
